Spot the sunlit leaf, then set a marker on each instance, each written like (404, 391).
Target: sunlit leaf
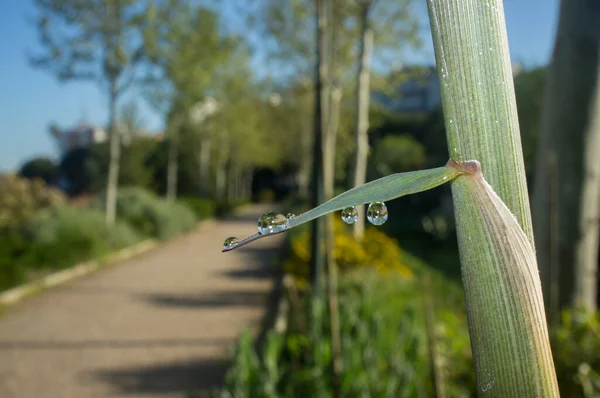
(381, 190)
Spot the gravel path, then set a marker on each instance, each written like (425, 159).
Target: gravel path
(157, 325)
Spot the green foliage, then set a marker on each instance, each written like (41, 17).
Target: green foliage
(228, 207)
(187, 172)
(384, 346)
(150, 215)
(85, 39)
(576, 347)
(529, 92)
(203, 208)
(21, 199)
(40, 167)
(13, 248)
(135, 167)
(398, 153)
(81, 169)
(65, 235)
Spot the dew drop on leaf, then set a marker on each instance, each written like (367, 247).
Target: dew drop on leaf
(231, 242)
(290, 216)
(270, 223)
(350, 215)
(377, 213)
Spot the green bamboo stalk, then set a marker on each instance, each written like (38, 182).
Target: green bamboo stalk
(475, 73)
(507, 325)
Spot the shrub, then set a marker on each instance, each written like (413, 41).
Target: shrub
(397, 153)
(202, 207)
(150, 215)
(40, 167)
(227, 207)
(576, 349)
(384, 346)
(376, 250)
(13, 248)
(65, 235)
(21, 199)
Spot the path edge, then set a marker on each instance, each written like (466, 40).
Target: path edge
(18, 293)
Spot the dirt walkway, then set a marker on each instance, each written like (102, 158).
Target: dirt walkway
(158, 325)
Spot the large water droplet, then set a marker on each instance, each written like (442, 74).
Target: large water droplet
(350, 215)
(230, 243)
(270, 223)
(377, 213)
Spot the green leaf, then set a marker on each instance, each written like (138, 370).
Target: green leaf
(381, 190)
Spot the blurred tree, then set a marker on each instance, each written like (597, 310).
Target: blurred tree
(187, 170)
(186, 47)
(354, 26)
(529, 91)
(131, 122)
(567, 190)
(390, 21)
(243, 136)
(40, 167)
(398, 153)
(82, 171)
(134, 168)
(94, 40)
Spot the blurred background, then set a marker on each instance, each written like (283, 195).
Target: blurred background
(128, 120)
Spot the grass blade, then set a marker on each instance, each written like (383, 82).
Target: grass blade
(381, 190)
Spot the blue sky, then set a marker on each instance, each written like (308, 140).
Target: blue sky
(30, 99)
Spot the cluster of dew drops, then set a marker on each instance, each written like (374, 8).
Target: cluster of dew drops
(272, 223)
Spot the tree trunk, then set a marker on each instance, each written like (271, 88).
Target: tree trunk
(305, 161)
(318, 233)
(172, 165)
(115, 157)
(221, 170)
(361, 138)
(586, 255)
(204, 165)
(335, 94)
(568, 121)
(231, 182)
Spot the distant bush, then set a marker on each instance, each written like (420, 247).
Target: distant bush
(376, 250)
(398, 153)
(203, 208)
(66, 235)
(40, 167)
(227, 207)
(21, 199)
(150, 215)
(13, 252)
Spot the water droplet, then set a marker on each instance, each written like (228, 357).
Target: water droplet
(350, 215)
(230, 243)
(290, 216)
(377, 213)
(451, 121)
(270, 223)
